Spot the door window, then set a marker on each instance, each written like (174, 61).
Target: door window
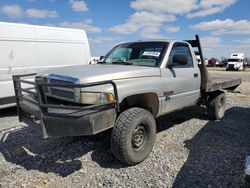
(181, 49)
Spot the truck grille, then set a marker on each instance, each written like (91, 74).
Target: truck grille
(63, 93)
(53, 81)
(69, 94)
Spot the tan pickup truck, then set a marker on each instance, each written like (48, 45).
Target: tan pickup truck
(135, 83)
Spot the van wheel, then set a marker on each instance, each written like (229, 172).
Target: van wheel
(216, 106)
(133, 136)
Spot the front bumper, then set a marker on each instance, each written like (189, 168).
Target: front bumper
(60, 118)
(232, 67)
(58, 123)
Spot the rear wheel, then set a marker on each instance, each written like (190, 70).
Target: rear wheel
(216, 106)
(133, 136)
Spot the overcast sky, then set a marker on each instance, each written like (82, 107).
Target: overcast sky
(224, 25)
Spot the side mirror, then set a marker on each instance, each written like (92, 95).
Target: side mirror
(101, 57)
(178, 60)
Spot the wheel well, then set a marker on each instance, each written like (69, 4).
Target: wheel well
(206, 97)
(147, 101)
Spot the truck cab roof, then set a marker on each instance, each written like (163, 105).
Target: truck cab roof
(156, 40)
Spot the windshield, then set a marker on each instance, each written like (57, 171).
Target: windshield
(234, 60)
(138, 53)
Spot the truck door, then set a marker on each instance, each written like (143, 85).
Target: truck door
(181, 86)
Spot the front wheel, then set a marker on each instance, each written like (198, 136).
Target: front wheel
(133, 136)
(216, 106)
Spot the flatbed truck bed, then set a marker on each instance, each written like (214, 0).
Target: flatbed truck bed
(218, 83)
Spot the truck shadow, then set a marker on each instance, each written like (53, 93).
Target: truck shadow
(180, 116)
(8, 112)
(217, 153)
(61, 156)
(225, 142)
(163, 123)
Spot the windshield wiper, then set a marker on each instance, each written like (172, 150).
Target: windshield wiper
(121, 63)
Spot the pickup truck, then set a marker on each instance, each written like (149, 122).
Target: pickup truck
(135, 83)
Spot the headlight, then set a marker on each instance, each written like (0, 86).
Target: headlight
(96, 98)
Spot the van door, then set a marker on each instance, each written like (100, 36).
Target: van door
(181, 83)
(18, 48)
(18, 56)
(5, 75)
(22, 57)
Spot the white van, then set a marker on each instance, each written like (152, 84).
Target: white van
(31, 49)
(236, 62)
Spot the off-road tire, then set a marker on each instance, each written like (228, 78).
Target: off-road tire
(123, 135)
(216, 106)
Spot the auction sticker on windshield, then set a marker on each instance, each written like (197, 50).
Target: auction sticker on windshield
(150, 53)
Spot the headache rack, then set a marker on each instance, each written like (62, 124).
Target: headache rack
(211, 84)
(33, 105)
(205, 79)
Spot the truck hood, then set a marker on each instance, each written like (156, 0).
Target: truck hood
(95, 73)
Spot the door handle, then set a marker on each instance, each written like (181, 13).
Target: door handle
(196, 75)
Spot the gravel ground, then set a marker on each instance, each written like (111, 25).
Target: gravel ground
(190, 151)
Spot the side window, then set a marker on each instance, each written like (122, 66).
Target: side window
(181, 49)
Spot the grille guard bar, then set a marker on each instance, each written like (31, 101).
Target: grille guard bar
(37, 91)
